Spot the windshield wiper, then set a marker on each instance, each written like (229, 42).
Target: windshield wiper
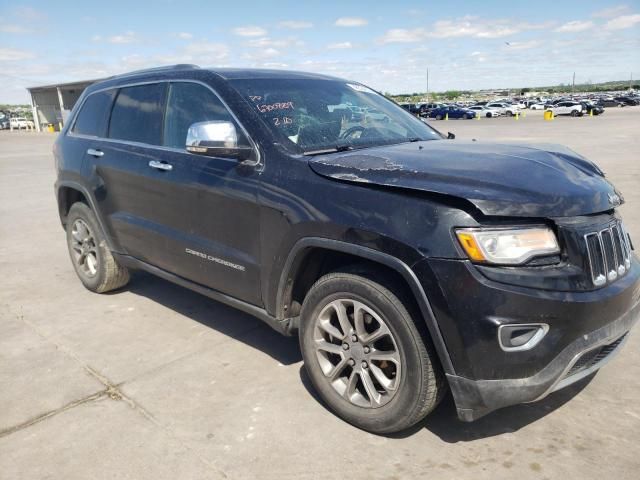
(337, 148)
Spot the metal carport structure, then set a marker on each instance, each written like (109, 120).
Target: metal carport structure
(51, 104)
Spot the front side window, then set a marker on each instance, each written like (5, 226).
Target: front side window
(308, 115)
(137, 114)
(190, 103)
(93, 116)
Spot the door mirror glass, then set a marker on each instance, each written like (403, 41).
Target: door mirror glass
(216, 138)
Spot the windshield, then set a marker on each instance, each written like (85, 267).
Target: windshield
(310, 116)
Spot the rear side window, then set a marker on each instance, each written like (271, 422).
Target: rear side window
(137, 114)
(189, 103)
(93, 116)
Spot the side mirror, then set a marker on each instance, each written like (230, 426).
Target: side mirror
(216, 138)
(450, 136)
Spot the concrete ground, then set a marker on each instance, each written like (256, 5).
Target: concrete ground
(158, 382)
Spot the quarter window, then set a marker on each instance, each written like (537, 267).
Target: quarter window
(137, 114)
(189, 103)
(93, 116)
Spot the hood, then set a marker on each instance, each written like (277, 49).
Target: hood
(499, 179)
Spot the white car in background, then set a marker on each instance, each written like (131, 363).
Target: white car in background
(568, 108)
(20, 122)
(537, 106)
(485, 111)
(504, 108)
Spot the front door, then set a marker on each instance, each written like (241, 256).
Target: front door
(216, 204)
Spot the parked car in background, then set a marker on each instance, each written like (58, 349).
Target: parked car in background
(414, 108)
(504, 108)
(452, 112)
(631, 102)
(428, 107)
(574, 109)
(371, 114)
(537, 106)
(484, 111)
(20, 122)
(590, 108)
(610, 102)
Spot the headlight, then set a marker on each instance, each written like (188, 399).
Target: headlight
(507, 246)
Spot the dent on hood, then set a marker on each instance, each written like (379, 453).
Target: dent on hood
(498, 178)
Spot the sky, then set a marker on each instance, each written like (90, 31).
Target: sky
(387, 45)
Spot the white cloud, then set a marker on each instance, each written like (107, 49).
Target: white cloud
(15, 29)
(127, 37)
(522, 45)
(351, 22)
(205, 52)
(295, 24)
(403, 35)
(184, 36)
(463, 27)
(340, 45)
(575, 26)
(622, 22)
(250, 31)
(15, 55)
(611, 12)
(476, 54)
(29, 13)
(266, 42)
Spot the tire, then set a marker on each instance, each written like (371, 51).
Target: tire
(421, 383)
(92, 260)
(489, 115)
(574, 113)
(439, 117)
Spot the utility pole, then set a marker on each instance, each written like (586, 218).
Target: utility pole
(573, 82)
(427, 85)
(630, 81)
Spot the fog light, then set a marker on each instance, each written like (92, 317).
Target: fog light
(520, 337)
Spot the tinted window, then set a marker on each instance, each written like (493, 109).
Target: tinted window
(189, 103)
(92, 118)
(137, 114)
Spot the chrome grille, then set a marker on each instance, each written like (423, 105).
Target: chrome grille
(609, 253)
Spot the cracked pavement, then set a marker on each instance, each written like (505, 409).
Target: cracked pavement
(155, 381)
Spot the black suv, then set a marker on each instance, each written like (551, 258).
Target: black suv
(406, 263)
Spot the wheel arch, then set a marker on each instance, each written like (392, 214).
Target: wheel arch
(69, 192)
(305, 264)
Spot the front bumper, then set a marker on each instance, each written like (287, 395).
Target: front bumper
(476, 398)
(586, 329)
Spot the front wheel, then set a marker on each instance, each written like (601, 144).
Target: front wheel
(574, 113)
(365, 355)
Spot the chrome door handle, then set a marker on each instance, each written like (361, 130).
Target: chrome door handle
(160, 165)
(95, 153)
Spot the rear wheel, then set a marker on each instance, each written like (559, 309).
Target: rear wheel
(489, 115)
(574, 113)
(439, 117)
(92, 260)
(365, 355)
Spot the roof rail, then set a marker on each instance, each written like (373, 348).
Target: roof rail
(179, 66)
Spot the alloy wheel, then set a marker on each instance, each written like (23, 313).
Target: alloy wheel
(85, 250)
(357, 353)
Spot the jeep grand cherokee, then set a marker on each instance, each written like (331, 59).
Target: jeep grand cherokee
(406, 263)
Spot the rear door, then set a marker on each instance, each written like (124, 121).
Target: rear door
(136, 211)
